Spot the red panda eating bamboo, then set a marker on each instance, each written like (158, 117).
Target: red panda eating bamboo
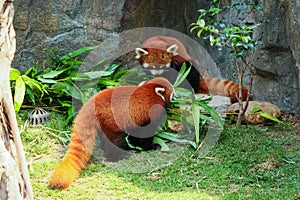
(160, 53)
(113, 114)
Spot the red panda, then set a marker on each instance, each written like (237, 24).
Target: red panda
(160, 53)
(136, 111)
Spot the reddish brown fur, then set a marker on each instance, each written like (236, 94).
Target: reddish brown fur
(107, 114)
(222, 87)
(156, 47)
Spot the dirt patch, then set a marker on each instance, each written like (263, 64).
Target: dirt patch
(293, 120)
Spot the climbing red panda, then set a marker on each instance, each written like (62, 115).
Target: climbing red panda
(160, 53)
(113, 114)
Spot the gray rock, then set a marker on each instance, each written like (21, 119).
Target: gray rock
(218, 103)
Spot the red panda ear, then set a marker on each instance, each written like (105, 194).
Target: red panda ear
(173, 49)
(160, 92)
(142, 83)
(140, 52)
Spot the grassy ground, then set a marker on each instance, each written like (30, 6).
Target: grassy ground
(252, 162)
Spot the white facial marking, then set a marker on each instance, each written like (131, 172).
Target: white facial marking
(160, 71)
(168, 65)
(153, 72)
(156, 71)
(145, 65)
(159, 91)
(173, 49)
(172, 94)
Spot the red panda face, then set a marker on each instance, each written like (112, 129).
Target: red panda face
(156, 60)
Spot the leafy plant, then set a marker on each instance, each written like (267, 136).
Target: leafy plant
(24, 85)
(192, 117)
(60, 83)
(239, 38)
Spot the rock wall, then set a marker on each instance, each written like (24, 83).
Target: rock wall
(278, 60)
(63, 25)
(66, 25)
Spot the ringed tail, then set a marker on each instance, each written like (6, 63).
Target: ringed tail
(221, 87)
(73, 162)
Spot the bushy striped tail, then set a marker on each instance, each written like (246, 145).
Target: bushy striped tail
(222, 87)
(74, 161)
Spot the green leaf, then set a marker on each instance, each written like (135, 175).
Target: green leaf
(52, 74)
(30, 93)
(65, 103)
(131, 145)
(202, 11)
(33, 83)
(162, 143)
(182, 74)
(213, 113)
(108, 83)
(256, 109)
(270, 117)
(74, 91)
(196, 118)
(32, 71)
(199, 32)
(98, 74)
(201, 23)
(112, 67)
(14, 74)
(194, 26)
(78, 52)
(174, 137)
(19, 93)
(50, 81)
(59, 87)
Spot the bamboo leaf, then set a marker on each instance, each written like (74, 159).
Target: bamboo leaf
(52, 74)
(270, 117)
(196, 118)
(162, 143)
(213, 114)
(174, 137)
(78, 52)
(50, 81)
(182, 74)
(14, 74)
(19, 93)
(98, 74)
(131, 145)
(33, 84)
(30, 94)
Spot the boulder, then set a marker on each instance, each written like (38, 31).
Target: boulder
(253, 113)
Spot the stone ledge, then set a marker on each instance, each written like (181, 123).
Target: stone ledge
(219, 103)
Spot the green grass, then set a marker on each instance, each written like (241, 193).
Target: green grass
(252, 162)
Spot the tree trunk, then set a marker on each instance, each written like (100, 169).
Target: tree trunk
(14, 177)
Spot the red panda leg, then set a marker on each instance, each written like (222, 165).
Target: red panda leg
(74, 161)
(114, 148)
